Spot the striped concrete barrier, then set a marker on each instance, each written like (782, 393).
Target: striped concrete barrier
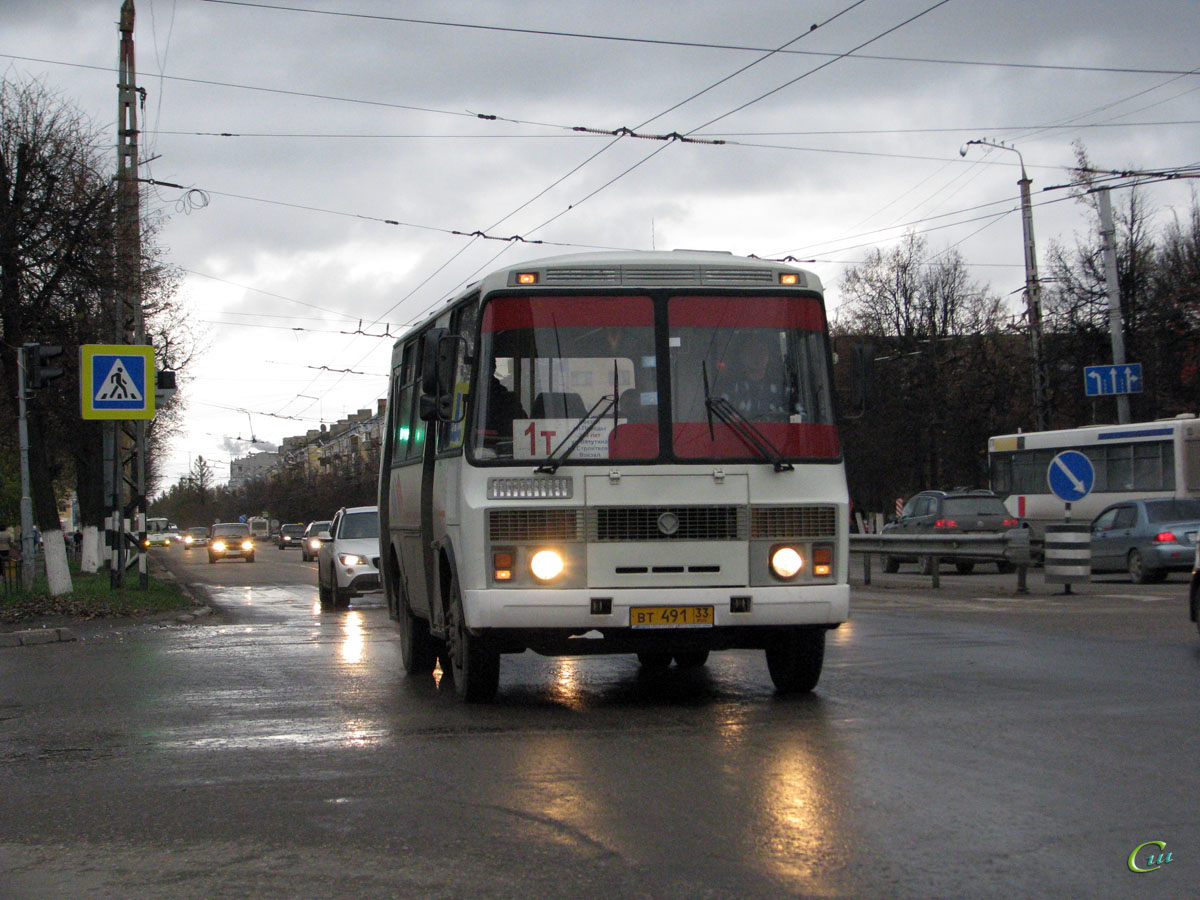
(1068, 550)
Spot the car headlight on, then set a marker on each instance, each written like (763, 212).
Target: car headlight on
(247, 545)
(219, 546)
(189, 540)
(351, 559)
(546, 565)
(314, 544)
(786, 562)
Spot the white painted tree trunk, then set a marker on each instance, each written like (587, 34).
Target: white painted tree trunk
(90, 556)
(57, 573)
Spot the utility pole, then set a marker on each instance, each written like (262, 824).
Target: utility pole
(1033, 288)
(128, 439)
(28, 548)
(1116, 327)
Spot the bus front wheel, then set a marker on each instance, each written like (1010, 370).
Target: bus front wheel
(474, 661)
(795, 658)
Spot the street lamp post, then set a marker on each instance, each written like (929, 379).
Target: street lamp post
(1033, 290)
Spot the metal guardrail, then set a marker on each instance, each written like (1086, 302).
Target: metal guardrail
(1006, 546)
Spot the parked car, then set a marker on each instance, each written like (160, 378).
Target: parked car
(949, 512)
(290, 535)
(1146, 538)
(311, 542)
(231, 540)
(348, 559)
(195, 537)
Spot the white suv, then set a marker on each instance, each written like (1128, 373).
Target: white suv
(348, 559)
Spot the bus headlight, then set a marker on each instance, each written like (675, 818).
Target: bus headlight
(546, 565)
(786, 562)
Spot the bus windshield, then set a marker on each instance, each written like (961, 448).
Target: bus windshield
(639, 378)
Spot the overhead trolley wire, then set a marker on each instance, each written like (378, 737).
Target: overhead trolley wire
(701, 45)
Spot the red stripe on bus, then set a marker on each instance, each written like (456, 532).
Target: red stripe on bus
(692, 441)
(543, 311)
(803, 313)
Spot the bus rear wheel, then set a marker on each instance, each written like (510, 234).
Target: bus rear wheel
(795, 658)
(474, 661)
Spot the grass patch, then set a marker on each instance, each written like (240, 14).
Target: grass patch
(91, 597)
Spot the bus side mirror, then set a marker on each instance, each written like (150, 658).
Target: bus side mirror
(438, 356)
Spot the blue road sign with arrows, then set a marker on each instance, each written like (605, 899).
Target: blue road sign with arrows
(1071, 476)
(1101, 381)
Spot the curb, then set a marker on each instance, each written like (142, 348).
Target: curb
(33, 636)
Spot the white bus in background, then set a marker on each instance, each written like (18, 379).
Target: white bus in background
(159, 532)
(572, 466)
(1146, 459)
(260, 529)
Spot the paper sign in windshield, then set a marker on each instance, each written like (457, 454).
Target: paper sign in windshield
(538, 438)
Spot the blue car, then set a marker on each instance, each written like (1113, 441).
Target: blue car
(1146, 538)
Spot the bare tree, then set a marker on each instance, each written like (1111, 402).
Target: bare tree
(55, 234)
(57, 275)
(941, 370)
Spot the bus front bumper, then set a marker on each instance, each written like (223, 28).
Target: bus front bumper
(577, 608)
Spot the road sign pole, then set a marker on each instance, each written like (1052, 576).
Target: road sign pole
(1107, 239)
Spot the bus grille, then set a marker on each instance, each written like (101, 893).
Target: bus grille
(737, 275)
(793, 522)
(512, 525)
(586, 275)
(667, 523)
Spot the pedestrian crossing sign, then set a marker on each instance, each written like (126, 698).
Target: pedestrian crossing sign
(116, 381)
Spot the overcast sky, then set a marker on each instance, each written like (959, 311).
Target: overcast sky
(350, 114)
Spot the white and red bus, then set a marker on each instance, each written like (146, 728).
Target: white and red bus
(616, 453)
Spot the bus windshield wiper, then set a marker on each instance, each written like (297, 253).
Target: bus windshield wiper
(550, 466)
(743, 428)
(584, 426)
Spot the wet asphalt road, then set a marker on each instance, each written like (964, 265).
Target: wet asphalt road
(965, 743)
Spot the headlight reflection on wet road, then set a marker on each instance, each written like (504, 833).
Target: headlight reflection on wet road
(356, 640)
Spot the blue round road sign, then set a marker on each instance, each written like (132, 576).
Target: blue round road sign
(1070, 476)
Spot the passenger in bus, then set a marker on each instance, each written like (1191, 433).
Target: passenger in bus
(503, 406)
(753, 382)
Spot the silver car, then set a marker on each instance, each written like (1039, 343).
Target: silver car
(1146, 538)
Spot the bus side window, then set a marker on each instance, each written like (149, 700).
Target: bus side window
(410, 429)
(401, 406)
(462, 325)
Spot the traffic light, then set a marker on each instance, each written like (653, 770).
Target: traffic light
(37, 371)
